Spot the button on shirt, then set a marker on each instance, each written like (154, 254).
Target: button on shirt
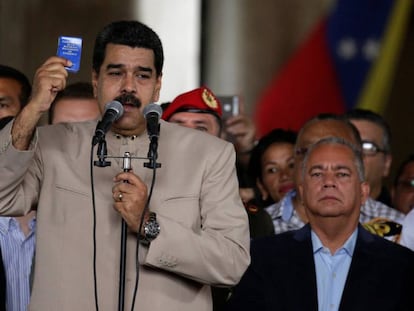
(17, 251)
(331, 271)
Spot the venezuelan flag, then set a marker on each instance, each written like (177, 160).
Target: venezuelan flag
(347, 60)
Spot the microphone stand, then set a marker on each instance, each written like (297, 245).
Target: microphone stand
(122, 267)
(152, 164)
(102, 154)
(152, 153)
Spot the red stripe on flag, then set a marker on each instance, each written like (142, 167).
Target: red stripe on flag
(305, 87)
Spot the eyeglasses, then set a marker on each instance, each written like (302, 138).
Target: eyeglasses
(370, 148)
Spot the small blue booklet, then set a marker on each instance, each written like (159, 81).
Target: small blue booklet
(71, 49)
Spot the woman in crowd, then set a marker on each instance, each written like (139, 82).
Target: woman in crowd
(271, 170)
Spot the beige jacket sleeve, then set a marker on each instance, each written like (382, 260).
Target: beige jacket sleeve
(204, 230)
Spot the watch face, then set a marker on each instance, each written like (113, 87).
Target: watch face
(151, 229)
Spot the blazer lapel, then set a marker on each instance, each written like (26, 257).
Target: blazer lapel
(303, 280)
(358, 280)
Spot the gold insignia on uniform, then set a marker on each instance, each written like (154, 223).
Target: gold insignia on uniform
(384, 228)
(209, 99)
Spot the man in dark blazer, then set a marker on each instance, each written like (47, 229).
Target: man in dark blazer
(289, 271)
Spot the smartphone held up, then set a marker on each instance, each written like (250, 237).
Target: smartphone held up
(230, 106)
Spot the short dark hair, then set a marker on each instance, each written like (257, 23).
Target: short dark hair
(275, 136)
(254, 169)
(130, 33)
(77, 90)
(368, 115)
(12, 73)
(401, 168)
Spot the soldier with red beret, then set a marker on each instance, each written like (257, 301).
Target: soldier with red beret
(199, 109)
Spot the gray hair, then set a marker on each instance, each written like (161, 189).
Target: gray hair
(337, 141)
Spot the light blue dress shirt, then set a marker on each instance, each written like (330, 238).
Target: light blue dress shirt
(17, 252)
(331, 271)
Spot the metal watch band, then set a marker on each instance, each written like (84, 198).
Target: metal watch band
(151, 229)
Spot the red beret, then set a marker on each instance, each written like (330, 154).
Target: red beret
(198, 100)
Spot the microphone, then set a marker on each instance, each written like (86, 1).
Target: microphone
(152, 114)
(113, 111)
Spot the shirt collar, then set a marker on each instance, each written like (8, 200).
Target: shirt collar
(348, 246)
(6, 223)
(287, 203)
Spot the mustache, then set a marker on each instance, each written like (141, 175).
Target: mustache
(129, 99)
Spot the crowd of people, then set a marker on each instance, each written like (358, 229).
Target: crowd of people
(221, 219)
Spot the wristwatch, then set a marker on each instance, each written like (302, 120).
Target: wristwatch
(151, 229)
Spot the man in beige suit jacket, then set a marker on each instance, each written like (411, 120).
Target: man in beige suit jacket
(203, 234)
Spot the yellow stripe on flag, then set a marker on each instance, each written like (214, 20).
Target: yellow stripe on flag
(376, 90)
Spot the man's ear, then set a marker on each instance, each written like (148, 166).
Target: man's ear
(95, 83)
(158, 88)
(364, 192)
(387, 165)
(299, 188)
